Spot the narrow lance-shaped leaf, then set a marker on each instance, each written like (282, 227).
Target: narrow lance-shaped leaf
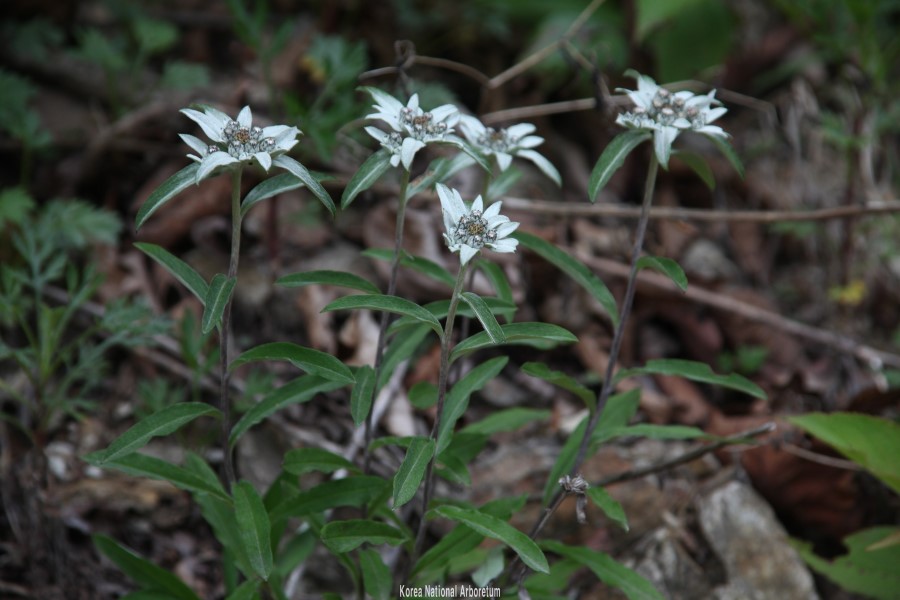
(542, 335)
(302, 173)
(698, 165)
(299, 390)
(142, 571)
(439, 170)
(485, 317)
(347, 535)
(364, 178)
(613, 158)
(508, 419)
(179, 269)
(170, 188)
(497, 529)
(253, 525)
(574, 269)
(560, 379)
(141, 465)
(273, 186)
(421, 265)
(609, 505)
(695, 371)
(160, 423)
(458, 397)
(351, 491)
(217, 297)
(729, 153)
(325, 277)
(393, 304)
(412, 470)
(304, 460)
(667, 267)
(310, 360)
(376, 574)
(608, 570)
(362, 395)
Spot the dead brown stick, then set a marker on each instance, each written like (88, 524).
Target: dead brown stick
(874, 358)
(695, 214)
(687, 457)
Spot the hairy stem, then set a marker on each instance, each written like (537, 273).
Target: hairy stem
(607, 388)
(446, 340)
(224, 399)
(385, 316)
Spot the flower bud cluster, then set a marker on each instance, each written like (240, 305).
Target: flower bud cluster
(243, 142)
(472, 229)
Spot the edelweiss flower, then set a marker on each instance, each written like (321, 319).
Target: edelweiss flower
(471, 229)
(504, 144)
(235, 140)
(412, 127)
(666, 114)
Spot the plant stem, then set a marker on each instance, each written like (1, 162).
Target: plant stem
(224, 400)
(607, 388)
(624, 313)
(385, 316)
(446, 340)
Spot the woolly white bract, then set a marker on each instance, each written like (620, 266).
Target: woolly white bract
(666, 114)
(505, 144)
(469, 229)
(412, 128)
(235, 141)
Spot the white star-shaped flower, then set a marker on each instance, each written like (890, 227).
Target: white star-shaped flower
(235, 141)
(504, 144)
(414, 128)
(469, 229)
(666, 114)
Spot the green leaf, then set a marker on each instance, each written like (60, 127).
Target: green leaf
(217, 297)
(179, 269)
(485, 316)
(698, 165)
(667, 267)
(560, 379)
(362, 394)
(399, 349)
(302, 173)
(142, 465)
(458, 398)
(695, 371)
(440, 308)
(421, 265)
(508, 419)
(220, 516)
(344, 536)
(619, 410)
(160, 423)
(364, 178)
(393, 304)
(376, 575)
(412, 470)
(662, 432)
(350, 491)
(494, 528)
(253, 525)
(142, 571)
(170, 188)
(497, 278)
(541, 335)
(613, 158)
(440, 170)
(297, 391)
(310, 360)
(871, 442)
(273, 186)
(725, 148)
(565, 460)
(610, 572)
(249, 590)
(609, 505)
(339, 278)
(574, 269)
(423, 395)
(304, 460)
(863, 569)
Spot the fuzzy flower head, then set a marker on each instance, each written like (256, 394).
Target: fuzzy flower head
(411, 127)
(235, 141)
(505, 144)
(469, 229)
(666, 114)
